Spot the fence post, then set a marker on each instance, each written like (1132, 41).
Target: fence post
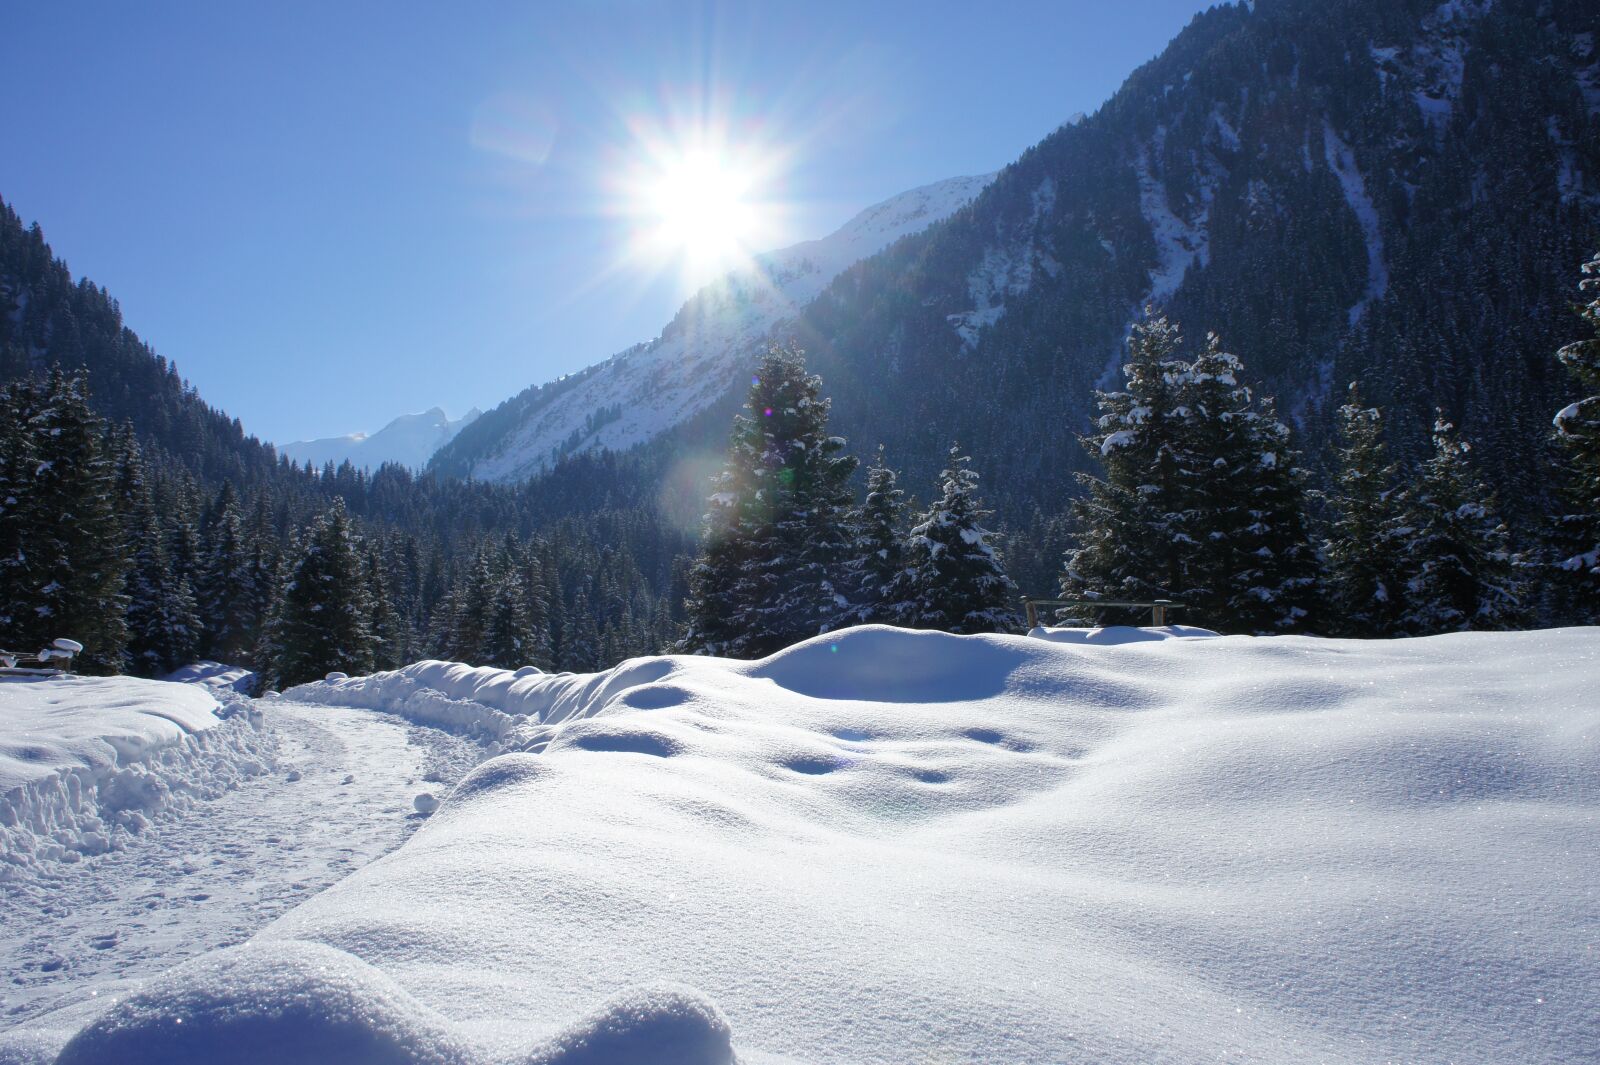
(1158, 613)
(1032, 611)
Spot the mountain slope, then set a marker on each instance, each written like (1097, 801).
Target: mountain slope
(1399, 193)
(410, 440)
(48, 319)
(634, 396)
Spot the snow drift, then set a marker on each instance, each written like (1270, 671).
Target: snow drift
(885, 846)
(86, 760)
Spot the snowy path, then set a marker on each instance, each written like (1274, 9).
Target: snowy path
(210, 879)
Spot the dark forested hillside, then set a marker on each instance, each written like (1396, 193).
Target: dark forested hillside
(205, 525)
(48, 319)
(1398, 193)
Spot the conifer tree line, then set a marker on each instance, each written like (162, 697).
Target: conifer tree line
(121, 547)
(788, 553)
(1202, 501)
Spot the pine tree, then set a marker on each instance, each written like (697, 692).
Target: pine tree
(68, 570)
(226, 592)
(1131, 540)
(1457, 551)
(580, 639)
(878, 550)
(956, 579)
(771, 569)
(163, 628)
(508, 637)
(322, 618)
(1363, 546)
(469, 619)
(1250, 567)
(18, 518)
(388, 639)
(1578, 430)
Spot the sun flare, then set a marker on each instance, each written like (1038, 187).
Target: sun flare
(697, 202)
(701, 209)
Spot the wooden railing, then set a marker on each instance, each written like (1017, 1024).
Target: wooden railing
(56, 658)
(1158, 607)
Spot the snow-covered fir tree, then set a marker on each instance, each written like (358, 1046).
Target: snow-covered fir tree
(1456, 550)
(18, 462)
(877, 553)
(163, 623)
(388, 636)
(580, 637)
(776, 536)
(1250, 566)
(322, 622)
(1363, 546)
(469, 616)
(1578, 429)
(508, 637)
(226, 592)
(67, 566)
(1131, 540)
(955, 578)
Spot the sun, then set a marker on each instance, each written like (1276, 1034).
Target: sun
(698, 201)
(700, 209)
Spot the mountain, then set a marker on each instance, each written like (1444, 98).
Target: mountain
(410, 440)
(48, 319)
(1399, 193)
(636, 395)
(1396, 193)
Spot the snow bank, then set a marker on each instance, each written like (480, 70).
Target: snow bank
(520, 708)
(898, 846)
(86, 760)
(217, 675)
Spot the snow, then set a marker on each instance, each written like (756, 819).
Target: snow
(410, 440)
(1341, 160)
(1434, 69)
(1179, 243)
(646, 390)
(1116, 635)
(216, 675)
(884, 845)
(1120, 438)
(85, 762)
(212, 872)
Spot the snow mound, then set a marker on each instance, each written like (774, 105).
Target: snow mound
(215, 675)
(84, 761)
(883, 845)
(658, 1026)
(296, 1003)
(275, 1004)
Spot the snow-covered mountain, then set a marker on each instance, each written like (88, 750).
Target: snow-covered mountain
(636, 395)
(409, 440)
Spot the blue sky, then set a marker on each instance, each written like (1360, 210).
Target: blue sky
(331, 214)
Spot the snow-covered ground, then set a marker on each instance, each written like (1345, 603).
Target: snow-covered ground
(888, 846)
(332, 789)
(85, 762)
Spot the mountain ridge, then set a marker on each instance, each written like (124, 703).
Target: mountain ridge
(409, 440)
(640, 393)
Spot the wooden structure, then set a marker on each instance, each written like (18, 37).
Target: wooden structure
(1158, 607)
(52, 661)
